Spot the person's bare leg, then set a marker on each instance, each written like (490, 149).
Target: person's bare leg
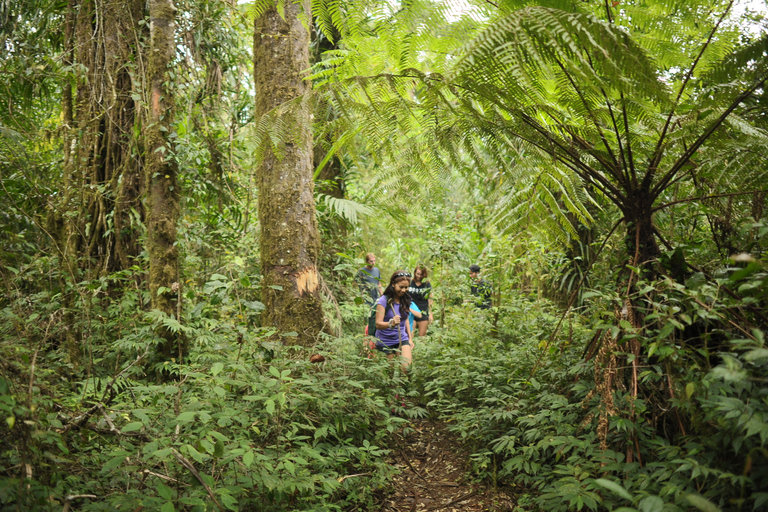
(407, 357)
(423, 328)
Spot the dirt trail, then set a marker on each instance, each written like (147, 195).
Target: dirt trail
(434, 475)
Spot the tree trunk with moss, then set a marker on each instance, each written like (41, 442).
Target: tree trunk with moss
(96, 218)
(290, 241)
(161, 172)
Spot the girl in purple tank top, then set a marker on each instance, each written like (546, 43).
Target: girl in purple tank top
(392, 329)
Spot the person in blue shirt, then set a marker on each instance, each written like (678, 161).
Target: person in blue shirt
(369, 279)
(392, 329)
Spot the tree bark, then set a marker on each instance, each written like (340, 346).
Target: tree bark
(640, 241)
(161, 173)
(100, 182)
(290, 241)
(100, 185)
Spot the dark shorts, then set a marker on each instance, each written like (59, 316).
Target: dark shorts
(424, 316)
(387, 349)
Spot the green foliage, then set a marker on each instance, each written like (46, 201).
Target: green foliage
(247, 423)
(525, 403)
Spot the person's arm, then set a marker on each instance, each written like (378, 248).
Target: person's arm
(380, 323)
(430, 303)
(410, 334)
(415, 310)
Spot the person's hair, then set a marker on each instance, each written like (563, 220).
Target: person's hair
(389, 292)
(424, 272)
(368, 256)
(474, 268)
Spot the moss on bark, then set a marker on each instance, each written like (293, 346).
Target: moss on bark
(290, 241)
(161, 174)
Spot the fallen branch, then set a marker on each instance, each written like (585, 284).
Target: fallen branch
(185, 462)
(164, 477)
(342, 478)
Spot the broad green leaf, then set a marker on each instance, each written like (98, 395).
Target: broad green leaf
(112, 463)
(164, 491)
(216, 368)
(651, 504)
(132, 427)
(614, 487)
(229, 501)
(758, 353)
(168, 507)
(186, 416)
(163, 452)
(194, 453)
(702, 503)
(218, 449)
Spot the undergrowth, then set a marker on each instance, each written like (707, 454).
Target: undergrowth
(522, 404)
(243, 424)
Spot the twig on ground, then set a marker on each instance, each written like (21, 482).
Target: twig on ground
(164, 477)
(185, 462)
(342, 478)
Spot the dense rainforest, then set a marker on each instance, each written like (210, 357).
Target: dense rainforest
(190, 190)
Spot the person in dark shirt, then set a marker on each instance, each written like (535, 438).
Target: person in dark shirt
(479, 288)
(420, 291)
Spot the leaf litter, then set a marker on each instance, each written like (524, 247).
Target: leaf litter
(434, 475)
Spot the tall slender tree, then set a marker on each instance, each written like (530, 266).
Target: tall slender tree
(163, 192)
(289, 235)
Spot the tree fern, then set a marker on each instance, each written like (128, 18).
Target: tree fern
(344, 208)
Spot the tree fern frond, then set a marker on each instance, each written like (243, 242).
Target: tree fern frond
(345, 208)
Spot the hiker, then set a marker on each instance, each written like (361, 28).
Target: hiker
(420, 291)
(369, 279)
(392, 329)
(414, 313)
(479, 288)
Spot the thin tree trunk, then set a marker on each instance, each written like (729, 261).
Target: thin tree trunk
(161, 173)
(290, 241)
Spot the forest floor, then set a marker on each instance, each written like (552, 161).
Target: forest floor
(434, 475)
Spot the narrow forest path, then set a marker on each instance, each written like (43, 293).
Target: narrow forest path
(434, 475)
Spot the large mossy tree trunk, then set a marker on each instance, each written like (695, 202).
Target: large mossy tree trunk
(96, 217)
(163, 192)
(290, 241)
